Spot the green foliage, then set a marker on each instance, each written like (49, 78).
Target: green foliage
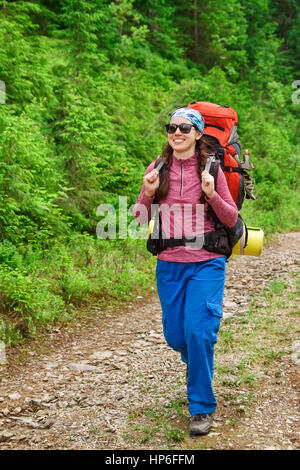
(26, 303)
(287, 15)
(89, 85)
(226, 36)
(29, 182)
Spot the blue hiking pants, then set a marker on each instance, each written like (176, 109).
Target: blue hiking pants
(191, 296)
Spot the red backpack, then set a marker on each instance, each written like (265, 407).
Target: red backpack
(220, 122)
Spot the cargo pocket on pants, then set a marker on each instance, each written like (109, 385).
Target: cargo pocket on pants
(215, 309)
(217, 312)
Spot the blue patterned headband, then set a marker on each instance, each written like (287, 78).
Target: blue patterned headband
(193, 116)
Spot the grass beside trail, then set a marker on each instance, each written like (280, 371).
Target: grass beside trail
(63, 283)
(248, 347)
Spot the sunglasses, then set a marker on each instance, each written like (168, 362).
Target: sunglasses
(184, 128)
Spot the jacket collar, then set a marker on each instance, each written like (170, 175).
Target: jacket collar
(191, 161)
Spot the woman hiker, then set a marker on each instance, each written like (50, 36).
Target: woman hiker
(190, 279)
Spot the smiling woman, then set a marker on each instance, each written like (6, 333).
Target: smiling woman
(190, 279)
(182, 135)
(182, 138)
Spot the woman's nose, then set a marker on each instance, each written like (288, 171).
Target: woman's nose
(178, 131)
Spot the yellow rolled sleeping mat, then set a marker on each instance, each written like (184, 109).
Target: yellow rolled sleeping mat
(254, 242)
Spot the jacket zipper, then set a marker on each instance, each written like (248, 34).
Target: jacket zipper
(181, 187)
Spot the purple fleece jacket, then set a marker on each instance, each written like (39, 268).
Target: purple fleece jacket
(182, 214)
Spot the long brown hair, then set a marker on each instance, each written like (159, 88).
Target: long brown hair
(205, 147)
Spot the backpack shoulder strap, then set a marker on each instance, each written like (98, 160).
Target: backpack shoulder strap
(159, 163)
(160, 166)
(212, 166)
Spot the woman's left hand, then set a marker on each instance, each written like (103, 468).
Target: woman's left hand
(208, 184)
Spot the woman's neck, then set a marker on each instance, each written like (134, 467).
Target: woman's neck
(184, 155)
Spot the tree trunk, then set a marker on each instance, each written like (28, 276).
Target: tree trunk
(196, 32)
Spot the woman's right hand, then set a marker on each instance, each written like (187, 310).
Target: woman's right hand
(151, 182)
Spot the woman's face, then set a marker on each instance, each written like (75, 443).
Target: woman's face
(183, 143)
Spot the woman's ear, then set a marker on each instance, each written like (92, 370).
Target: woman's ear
(198, 137)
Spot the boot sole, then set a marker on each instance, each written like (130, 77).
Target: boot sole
(199, 433)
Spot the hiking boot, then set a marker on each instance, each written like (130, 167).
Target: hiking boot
(200, 424)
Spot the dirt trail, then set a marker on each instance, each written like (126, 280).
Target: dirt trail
(94, 388)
